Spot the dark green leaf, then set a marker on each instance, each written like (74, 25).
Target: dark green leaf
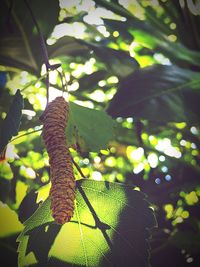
(28, 206)
(11, 123)
(14, 54)
(88, 83)
(20, 44)
(114, 7)
(8, 256)
(158, 93)
(5, 186)
(120, 26)
(188, 240)
(115, 235)
(175, 51)
(45, 12)
(67, 46)
(90, 129)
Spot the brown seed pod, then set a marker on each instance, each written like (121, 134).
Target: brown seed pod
(62, 192)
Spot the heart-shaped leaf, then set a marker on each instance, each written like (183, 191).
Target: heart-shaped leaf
(90, 129)
(109, 228)
(11, 123)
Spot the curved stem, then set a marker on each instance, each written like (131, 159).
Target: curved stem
(61, 78)
(19, 136)
(42, 41)
(43, 47)
(32, 82)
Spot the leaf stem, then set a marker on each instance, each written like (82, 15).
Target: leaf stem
(27, 133)
(61, 78)
(81, 235)
(79, 169)
(43, 47)
(35, 81)
(103, 227)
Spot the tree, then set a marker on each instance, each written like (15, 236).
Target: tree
(130, 70)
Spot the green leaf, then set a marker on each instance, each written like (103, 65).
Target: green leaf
(90, 129)
(28, 206)
(175, 51)
(9, 223)
(114, 7)
(158, 93)
(5, 186)
(11, 123)
(109, 228)
(20, 43)
(67, 46)
(89, 82)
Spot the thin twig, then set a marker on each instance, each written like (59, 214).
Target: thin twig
(35, 81)
(43, 47)
(61, 78)
(27, 133)
(42, 41)
(66, 89)
(79, 169)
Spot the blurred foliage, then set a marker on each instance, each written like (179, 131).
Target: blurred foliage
(139, 61)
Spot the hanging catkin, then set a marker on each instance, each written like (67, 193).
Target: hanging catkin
(62, 192)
